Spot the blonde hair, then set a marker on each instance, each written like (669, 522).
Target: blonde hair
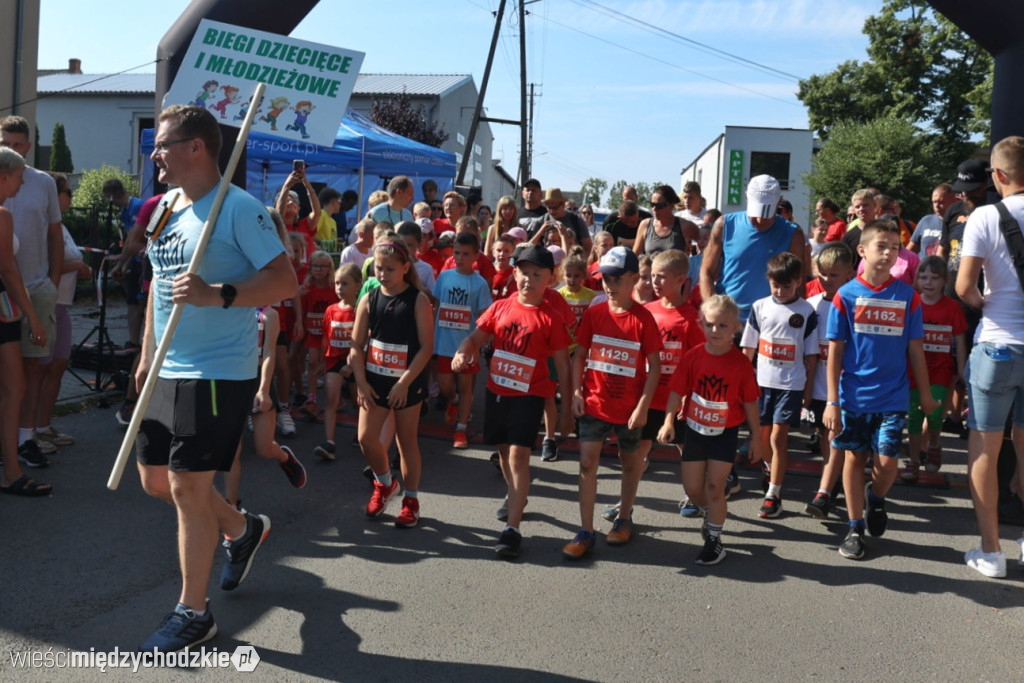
(595, 250)
(296, 246)
(351, 271)
(421, 208)
(377, 197)
(723, 303)
(673, 260)
(496, 223)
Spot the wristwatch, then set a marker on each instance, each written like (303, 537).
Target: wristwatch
(228, 293)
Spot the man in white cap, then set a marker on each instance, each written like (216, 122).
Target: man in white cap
(742, 242)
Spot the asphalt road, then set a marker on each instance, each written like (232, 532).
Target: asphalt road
(336, 596)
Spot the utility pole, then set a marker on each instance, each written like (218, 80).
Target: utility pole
(524, 155)
(530, 130)
(467, 153)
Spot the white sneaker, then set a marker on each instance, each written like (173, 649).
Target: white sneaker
(285, 423)
(989, 564)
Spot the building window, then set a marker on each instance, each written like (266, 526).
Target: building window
(775, 164)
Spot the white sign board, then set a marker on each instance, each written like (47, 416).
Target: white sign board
(308, 84)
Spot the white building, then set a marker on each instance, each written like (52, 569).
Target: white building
(103, 116)
(725, 167)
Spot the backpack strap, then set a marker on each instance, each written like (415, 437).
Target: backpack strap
(1014, 240)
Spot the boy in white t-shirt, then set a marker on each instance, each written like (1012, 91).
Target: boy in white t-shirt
(782, 332)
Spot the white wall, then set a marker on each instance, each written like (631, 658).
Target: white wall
(100, 129)
(711, 168)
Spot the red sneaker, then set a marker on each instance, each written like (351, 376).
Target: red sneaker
(410, 514)
(451, 413)
(382, 495)
(461, 440)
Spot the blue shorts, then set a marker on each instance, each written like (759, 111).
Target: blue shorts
(995, 379)
(780, 406)
(878, 432)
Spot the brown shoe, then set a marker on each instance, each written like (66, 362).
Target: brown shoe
(622, 531)
(579, 546)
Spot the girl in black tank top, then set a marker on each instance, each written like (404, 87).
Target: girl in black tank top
(392, 342)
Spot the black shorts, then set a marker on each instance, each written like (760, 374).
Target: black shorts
(655, 420)
(10, 332)
(382, 385)
(337, 365)
(818, 408)
(700, 448)
(194, 425)
(282, 338)
(513, 420)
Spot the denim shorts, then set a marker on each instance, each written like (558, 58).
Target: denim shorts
(995, 379)
(881, 433)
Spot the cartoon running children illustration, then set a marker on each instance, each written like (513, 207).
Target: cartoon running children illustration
(209, 90)
(302, 110)
(244, 110)
(277, 105)
(231, 96)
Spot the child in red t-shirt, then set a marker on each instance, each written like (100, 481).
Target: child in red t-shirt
(945, 354)
(526, 332)
(679, 326)
(504, 282)
(339, 319)
(613, 389)
(317, 293)
(720, 390)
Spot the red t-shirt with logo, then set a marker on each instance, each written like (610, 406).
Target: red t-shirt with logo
(504, 283)
(943, 320)
(680, 331)
(314, 303)
(615, 370)
(524, 338)
(714, 389)
(482, 265)
(339, 320)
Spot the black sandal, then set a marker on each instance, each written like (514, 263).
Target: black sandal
(26, 487)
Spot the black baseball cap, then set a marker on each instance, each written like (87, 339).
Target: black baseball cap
(531, 253)
(532, 181)
(970, 175)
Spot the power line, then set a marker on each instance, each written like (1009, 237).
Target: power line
(702, 47)
(78, 85)
(674, 66)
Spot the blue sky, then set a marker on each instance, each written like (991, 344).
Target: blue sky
(617, 100)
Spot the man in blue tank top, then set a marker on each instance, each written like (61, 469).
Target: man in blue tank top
(735, 260)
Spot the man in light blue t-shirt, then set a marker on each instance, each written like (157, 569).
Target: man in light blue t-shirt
(207, 383)
(395, 209)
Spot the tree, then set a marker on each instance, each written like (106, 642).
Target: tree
(888, 153)
(397, 114)
(592, 189)
(89, 192)
(615, 194)
(920, 67)
(60, 153)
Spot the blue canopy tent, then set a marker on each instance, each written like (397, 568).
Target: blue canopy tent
(362, 156)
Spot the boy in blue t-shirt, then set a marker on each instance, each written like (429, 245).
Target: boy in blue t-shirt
(462, 295)
(874, 326)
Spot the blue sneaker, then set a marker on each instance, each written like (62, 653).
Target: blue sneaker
(688, 508)
(180, 630)
(242, 551)
(612, 513)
